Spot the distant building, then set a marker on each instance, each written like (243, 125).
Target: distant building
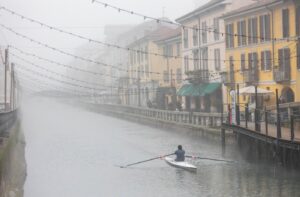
(203, 51)
(150, 79)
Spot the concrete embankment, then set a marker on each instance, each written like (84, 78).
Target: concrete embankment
(209, 132)
(12, 163)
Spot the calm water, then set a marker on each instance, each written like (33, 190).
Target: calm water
(73, 153)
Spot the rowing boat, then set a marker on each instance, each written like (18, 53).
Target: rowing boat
(180, 164)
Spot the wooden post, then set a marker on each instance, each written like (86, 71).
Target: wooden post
(246, 115)
(278, 116)
(237, 109)
(292, 128)
(256, 118)
(5, 77)
(223, 141)
(266, 121)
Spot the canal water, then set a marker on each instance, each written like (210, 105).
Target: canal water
(71, 152)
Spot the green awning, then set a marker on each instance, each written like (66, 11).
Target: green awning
(211, 87)
(198, 89)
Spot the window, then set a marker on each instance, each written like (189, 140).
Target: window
(241, 25)
(216, 29)
(204, 58)
(297, 21)
(186, 63)
(166, 76)
(285, 23)
(252, 61)
(204, 32)
(186, 38)
(142, 55)
(298, 55)
(284, 59)
(243, 62)
(229, 36)
(178, 75)
(266, 60)
(252, 30)
(265, 29)
(196, 59)
(147, 70)
(195, 36)
(178, 48)
(217, 59)
(168, 51)
(146, 53)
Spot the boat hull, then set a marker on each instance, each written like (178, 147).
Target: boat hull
(182, 164)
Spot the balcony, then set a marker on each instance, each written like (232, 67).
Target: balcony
(198, 76)
(281, 76)
(228, 78)
(251, 76)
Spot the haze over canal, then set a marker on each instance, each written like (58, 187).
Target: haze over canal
(71, 152)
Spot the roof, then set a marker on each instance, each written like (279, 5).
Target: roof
(170, 34)
(199, 10)
(156, 35)
(258, 4)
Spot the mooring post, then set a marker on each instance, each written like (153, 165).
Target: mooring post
(246, 115)
(278, 116)
(266, 121)
(223, 141)
(237, 105)
(292, 128)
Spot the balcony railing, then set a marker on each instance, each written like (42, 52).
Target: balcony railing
(281, 76)
(198, 76)
(251, 76)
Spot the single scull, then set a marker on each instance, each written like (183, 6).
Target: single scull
(180, 164)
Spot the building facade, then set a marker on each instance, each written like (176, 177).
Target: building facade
(262, 49)
(203, 51)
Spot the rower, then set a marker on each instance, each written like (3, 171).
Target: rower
(180, 154)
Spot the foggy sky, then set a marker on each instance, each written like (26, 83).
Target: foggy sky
(78, 16)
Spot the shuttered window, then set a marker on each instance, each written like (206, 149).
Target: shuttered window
(284, 59)
(217, 59)
(216, 29)
(186, 63)
(243, 62)
(196, 59)
(298, 21)
(204, 57)
(285, 23)
(266, 60)
(265, 28)
(298, 55)
(252, 61)
(229, 36)
(186, 38)
(204, 33)
(178, 75)
(241, 25)
(252, 30)
(195, 36)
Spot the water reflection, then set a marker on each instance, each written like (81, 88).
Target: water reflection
(74, 153)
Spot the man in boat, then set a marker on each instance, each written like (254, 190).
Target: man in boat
(180, 154)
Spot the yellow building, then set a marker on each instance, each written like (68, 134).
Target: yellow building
(262, 48)
(154, 73)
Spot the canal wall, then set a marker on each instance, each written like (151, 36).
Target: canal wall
(207, 125)
(12, 158)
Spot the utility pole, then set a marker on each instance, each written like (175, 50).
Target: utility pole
(139, 88)
(12, 87)
(5, 77)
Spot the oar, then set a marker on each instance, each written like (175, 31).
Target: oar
(145, 160)
(212, 159)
